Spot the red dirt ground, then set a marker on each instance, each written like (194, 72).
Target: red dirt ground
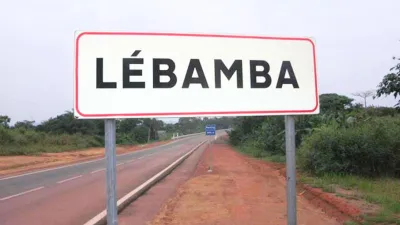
(343, 209)
(146, 207)
(11, 165)
(238, 191)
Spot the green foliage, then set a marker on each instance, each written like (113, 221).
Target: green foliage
(66, 123)
(132, 131)
(190, 125)
(25, 124)
(251, 148)
(333, 102)
(127, 125)
(271, 135)
(268, 133)
(20, 141)
(64, 132)
(345, 146)
(141, 134)
(391, 83)
(126, 139)
(382, 191)
(345, 138)
(4, 121)
(369, 148)
(244, 128)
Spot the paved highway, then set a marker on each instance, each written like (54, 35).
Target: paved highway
(75, 193)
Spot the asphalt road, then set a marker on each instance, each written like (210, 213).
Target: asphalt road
(75, 193)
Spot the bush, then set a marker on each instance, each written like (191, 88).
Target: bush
(21, 141)
(252, 148)
(141, 134)
(271, 136)
(369, 148)
(265, 133)
(126, 139)
(235, 137)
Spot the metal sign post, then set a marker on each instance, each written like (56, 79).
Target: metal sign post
(109, 139)
(210, 149)
(290, 137)
(210, 131)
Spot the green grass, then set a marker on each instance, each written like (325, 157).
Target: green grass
(350, 223)
(30, 142)
(36, 149)
(166, 136)
(384, 192)
(275, 158)
(259, 153)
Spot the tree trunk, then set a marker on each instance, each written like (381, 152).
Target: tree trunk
(148, 135)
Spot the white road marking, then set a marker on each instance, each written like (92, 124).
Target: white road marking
(103, 214)
(132, 160)
(22, 193)
(72, 178)
(142, 157)
(40, 171)
(77, 164)
(120, 164)
(97, 170)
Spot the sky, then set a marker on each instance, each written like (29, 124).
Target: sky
(355, 40)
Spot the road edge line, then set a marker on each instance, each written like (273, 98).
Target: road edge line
(22, 193)
(7, 177)
(69, 179)
(137, 192)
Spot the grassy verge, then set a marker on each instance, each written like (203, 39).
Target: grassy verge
(255, 152)
(56, 143)
(73, 144)
(30, 142)
(383, 192)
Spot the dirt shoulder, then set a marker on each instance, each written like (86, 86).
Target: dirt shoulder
(236, 192)
(12, 165)
(146, 207)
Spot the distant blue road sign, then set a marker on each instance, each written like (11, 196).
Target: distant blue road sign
(210, 129)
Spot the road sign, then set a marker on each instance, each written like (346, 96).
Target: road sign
(121, 75)
(210, 130)
(193, 75)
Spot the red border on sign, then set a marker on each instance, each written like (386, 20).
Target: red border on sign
(172, 114)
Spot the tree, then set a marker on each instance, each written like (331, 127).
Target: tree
(127, 125)
(364, 95)
(332, 102)
(67, 123)
(147, 122)
(5, 121)
(391, 83)
(357, 105)
(152, 125)
(26, 124)
(188, 125)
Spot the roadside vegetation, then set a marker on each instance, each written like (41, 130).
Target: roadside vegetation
(65, 133)
(348, 146)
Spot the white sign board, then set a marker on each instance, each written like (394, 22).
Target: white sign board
(120, 75)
